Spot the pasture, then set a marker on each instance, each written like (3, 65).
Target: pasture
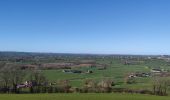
(85, 74)
(116, 71)
(80, 97)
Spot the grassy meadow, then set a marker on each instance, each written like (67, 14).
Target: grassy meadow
(116, 71)
(80, 97)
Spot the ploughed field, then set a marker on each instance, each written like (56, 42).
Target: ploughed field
(76, 96)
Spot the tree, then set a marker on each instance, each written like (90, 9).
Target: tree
(38, 81)
(2, 64)
(11, 76)
(5, 79)
(90, 85)
(105, 85)
(17, 75)
(64, 85)
(160, 86)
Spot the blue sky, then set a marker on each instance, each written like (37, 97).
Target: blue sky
(85, 26)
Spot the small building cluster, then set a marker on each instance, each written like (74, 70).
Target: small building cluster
(139, 74)
(72, 71)
(158, 70)
(77, 71)
(27, 84)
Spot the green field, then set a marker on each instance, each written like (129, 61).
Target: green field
(116, 71)
(80, 97)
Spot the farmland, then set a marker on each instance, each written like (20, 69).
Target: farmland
(60, 73)
(116, 71)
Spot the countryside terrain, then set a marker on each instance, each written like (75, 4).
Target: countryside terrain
(122, 76)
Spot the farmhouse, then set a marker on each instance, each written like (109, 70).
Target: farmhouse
(143, 74)
(21, 86)
(72, 71)
(156, 70)
(139, 74)
(27, 84)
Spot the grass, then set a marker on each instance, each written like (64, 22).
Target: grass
(80, 97)
(116, 71)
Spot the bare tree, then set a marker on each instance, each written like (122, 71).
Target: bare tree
(105, 85)
(2, 64)
(90, 85)
(38, 81)
(5, 79)
(160, 86)
(17, 75)
(11, 77)
(64, 85)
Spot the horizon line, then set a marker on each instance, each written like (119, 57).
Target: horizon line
(84, 53)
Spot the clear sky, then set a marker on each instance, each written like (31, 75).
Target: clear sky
(85, 26)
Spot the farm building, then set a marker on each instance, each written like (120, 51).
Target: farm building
(156, 70)
(72, 71)
(139, 74)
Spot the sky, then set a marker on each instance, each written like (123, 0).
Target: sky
(85, 26)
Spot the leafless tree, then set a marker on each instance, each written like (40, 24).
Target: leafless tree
(90, 85)
(105, 85)
(11, 77)
(160, 86)
(5, 79)
(38, 81)
(65, 85)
